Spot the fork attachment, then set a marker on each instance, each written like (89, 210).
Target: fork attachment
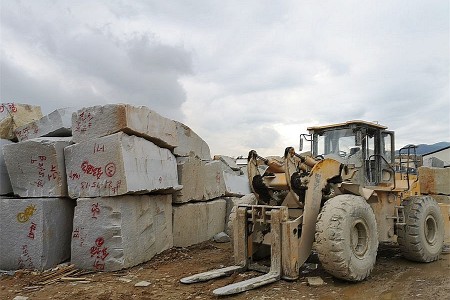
(248, 219)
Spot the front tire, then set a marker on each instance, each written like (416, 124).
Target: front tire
(347, 238)
(422, 238)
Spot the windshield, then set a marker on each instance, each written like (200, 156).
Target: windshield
(340, 142)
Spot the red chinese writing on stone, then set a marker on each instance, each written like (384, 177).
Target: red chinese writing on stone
(110, 185)
(83, 122)
(52, 172)
(90, 169)
(10, 107)
(100, 253)
(32, 229)
(95, 209)
(73, 175)
(23, 133)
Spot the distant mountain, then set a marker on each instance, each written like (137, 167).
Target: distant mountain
(425, 148)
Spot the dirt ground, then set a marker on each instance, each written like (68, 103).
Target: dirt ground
(393, 278)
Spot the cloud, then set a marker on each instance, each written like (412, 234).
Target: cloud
(78, 62)
(243, 75)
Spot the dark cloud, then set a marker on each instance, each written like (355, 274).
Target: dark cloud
(241, 74)
(89, 64)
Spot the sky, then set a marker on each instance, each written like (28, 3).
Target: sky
(243, 75)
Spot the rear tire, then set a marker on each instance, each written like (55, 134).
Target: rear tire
(422, 238)
(347, 238)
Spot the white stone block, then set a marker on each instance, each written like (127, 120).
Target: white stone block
(232, 203)
(36, 167)
(433, 162)
(35, 233)
(190, 144)
(229, 161)
(220, 181)
(13, 115)
(57, 123)
(214, 181)
(97, 121)
(5, 183)
(194, 223)
(113, 233)
(191, 173)
(118, 164)
(236, 185)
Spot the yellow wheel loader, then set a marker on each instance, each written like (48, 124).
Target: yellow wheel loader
(344, 195)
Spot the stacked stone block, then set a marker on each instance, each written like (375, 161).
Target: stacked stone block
(5, 182)
(118, 164)
(98, 121)
(14, 115)
(197, 222)
(34, 233)
(36, 167)
(434, 180)
(190, 144)
(117, 155)
(121, 152)
(57, 123)
(112, 233)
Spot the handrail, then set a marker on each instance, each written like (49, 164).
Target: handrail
(392, 169)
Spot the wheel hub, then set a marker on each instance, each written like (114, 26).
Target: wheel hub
(359, 238)
(430, 229)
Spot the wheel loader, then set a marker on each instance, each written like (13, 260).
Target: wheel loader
(344, 196)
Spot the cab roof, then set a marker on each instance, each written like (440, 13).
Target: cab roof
(348, 124)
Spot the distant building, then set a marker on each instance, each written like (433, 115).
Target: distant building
(438, 158)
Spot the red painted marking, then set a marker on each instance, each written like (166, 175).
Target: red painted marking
(110, 169)
(95, 209)
(90, 169)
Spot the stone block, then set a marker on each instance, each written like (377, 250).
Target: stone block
(214, 181)
(57, 123)
(35, 233)
(98, 121)
(13, 115)
(118, 164)
(232, 203)
(191, 173)
(112, 233)
(441, 198)
(434, 180)
(445, 212)
(220, 181)
(236, 185)
(229, 161)
(433, 162)
(249, 199)
(190, 144)
(194, 223)
(5, 183)
(36, 167)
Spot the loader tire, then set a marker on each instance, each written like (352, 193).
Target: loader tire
(347, 238)
(422, 238)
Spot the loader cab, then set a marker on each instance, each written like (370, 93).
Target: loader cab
(367, 149)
